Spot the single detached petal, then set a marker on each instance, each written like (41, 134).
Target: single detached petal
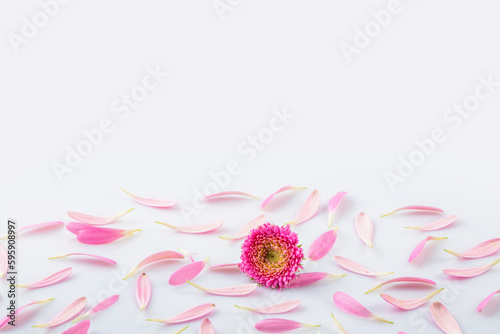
(35, 226)
(81, 328)
(101, 235)
(470, 272)
(357, 268)
(194, 313)
(3, 260)
(364, 228)
(322, 245)
(309, 278)
(409, 304)
(187, 273)
(308, 209)
(333, 205)
(98, 257)
(5, 321)
(108, 302)
(444, 320)
(229, 193)
(66, 314)
(484, 249)
(243, 232)
(420, 247)
(160, 256)
(49, 280)
(403, 280)
(206, 327)
(93, 220)
(194, 229)
(414, 207)
(339, 326)
(143, 291)
(282, 189)
(273, 309)
(225, 266)
(156, 203)
(436, 225)
(276, 325)
(230, 291)
(486, 301)
(350, 305)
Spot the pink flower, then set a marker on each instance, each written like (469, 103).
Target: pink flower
(270, 255)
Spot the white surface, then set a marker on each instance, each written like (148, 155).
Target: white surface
(352, 121)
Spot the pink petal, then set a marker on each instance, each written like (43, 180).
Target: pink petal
(436, 225)
(187, 273)
(309, 278)
(322, 245)
(486, 301)
(206, 327)
(444, 320)
(420, 247)
(143, 291)
(3, 260)
(403, 280)
(230, 193)
(81, 328)
(409, 304)
(39, 225)
(350, 305)
(93, 220)
(49, 280)
(357, 268)
(484, 249)
(160, 256)
(414, 207)
(308, 209)
(75, 227)
(101, 235)
(108, 302)
(364, 228)
(273, 309)
(5, 321)
(470, 272)
(339, 326)
(102, 258)
(275, 325)
(286, 188)
(243, 232)
(229, 291)
(225, 266)
(156, 203)
(333, 204)
(194, 229)
(194, 313)
(66, 314)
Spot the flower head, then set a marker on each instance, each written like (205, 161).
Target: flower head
(270, 255)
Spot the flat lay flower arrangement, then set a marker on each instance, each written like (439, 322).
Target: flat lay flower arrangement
(271, 257)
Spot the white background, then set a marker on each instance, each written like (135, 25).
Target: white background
(352, 122)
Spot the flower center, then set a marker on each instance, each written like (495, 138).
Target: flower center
(273, 256)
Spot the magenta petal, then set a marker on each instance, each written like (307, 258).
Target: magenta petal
(420, 247)
(81, 328)
(483, 304)
(101, 235)
(350, 305)
(322, 245)
(187, 273)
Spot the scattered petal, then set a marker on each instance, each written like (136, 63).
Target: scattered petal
(34, 226)
(415, 207)
(3, 260)
(276, 325)
(357, 268)
(102, 258)
(436, 225)
(470, 272)
(160, 256)
(102, 235)
(155, 203)
(194, 313)
(420, 247)
(350, 305)
(66, 314)
(187, 273)
(93, 220)
(364, 228)
(243, 232)
(484, 249)
(282, 189)
(143, 291)
(333, 205)
(486, 301)
(225, 266)
(230, 193)
(444, 320)
(339, 326)
(273, 309)
(5, 321)
(309, 278)
(49, 280)
(75, 227)
(230, 291)
(81, 328)
(206, 327)
(322, 245)
(195, 228)
(403, 280)
(108, 302)
(409, 304)
(308, 209)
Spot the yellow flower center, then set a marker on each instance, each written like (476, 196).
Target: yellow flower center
(273, 256)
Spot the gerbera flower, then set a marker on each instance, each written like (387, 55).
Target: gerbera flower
(270, 255)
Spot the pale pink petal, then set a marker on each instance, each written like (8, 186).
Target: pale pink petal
(282, 189)
(49, 280)
(333, 205)
(403, 280)
(66, 314)
(339, 326)
(322, 245)
(444, 320)
(3, 260)
(187, 273)
(156, 203)
(243, 232)
(194, 313)
(206, 327)
(81, 328)
(484, 249)
(76, 227)
(273, 309)
(229, 291)
(101, 235)
(436, 225)
(350, 305)
(309, 278)
(5, 321)
(39, 225)
(275, 325)
(93, 220)
(308, 209)
(194, 229)
(143, 291)
(486, 301)
(416, 208)
(357, 268)
(98, 257)
(470, 272)
(229, 193)
(108, 302)
(409, 304)
(225, 266)
(364, 228)
(160, 256)
(420, 247)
